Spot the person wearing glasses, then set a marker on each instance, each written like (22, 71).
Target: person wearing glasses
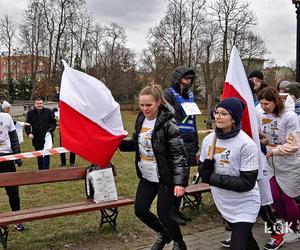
(230, 166)
(177, 96)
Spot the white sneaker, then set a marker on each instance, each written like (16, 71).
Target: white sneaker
(291, 237)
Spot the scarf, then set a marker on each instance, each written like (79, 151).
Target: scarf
(229, 135)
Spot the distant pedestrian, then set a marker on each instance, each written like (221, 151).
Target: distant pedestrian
(294, 90)
(256, 82)
(179, 94)
(42, 120)
(161, 166)
(72, 157)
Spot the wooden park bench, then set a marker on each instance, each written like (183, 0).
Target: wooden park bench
(193, 195)
(108, 210)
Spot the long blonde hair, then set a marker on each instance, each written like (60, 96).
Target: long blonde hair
(156, 92)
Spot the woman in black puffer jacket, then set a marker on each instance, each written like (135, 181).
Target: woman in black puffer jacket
(161, 165)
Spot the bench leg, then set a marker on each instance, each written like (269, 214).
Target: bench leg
(4, 236)
(109, 216)
(192, 201)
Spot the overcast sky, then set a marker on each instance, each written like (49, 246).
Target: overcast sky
(276, 21)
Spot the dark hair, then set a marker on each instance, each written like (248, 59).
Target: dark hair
(155, 91)
(271, 94)
(38, 98)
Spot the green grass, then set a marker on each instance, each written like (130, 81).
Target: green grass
(70, 232)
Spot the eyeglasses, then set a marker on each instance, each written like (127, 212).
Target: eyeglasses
(220, 114)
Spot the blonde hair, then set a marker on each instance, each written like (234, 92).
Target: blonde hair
(156, 92)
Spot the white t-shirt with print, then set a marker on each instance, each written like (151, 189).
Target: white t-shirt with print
(6, 125)
(147, 164)
(231, 156)
(285, 168)
(278, 127)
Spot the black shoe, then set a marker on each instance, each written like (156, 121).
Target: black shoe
(62, 165)
(183, 216)
(161, 241)
(179, 245)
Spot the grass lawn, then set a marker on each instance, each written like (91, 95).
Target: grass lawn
(82, 231)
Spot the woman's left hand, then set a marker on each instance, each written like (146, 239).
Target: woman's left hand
(179, 191)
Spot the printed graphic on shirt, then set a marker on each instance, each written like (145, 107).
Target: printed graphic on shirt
(218, 150)
(224, 157)
(145, 146)
(2, 135)
(270, 127)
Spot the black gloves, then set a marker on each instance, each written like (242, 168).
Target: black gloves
(207, 170)
(19, 162)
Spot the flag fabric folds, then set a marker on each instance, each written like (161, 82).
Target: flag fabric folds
(90, 119)
(237, 85)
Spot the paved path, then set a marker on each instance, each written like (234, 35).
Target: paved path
(209, 240)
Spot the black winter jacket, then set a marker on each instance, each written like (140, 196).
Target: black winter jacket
(167, 146)
(191, 142)
(41, 123)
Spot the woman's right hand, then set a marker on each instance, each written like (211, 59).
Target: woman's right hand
(179, 191)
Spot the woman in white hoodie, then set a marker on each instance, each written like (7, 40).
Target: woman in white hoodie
(281, 126)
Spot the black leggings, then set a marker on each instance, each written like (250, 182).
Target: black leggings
(268, 216)
(242, 237)
(145, 194)
(12, 192)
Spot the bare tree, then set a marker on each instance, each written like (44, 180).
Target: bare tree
(33, 37)
(7, 35)
(233, 16)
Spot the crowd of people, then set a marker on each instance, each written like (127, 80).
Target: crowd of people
(166, 145)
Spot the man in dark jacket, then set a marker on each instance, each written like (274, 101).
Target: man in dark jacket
(9, 144)
(179, 93)
(42, 120)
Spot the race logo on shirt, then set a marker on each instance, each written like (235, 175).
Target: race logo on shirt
(265, 121)
(218, 150)
(224, 159)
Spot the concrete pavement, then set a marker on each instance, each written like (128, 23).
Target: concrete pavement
(209, 240)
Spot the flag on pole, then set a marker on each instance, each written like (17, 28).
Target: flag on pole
(90, 119)
(237, 85)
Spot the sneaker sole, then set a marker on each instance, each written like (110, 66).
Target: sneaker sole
(276, 247)
(223, 245)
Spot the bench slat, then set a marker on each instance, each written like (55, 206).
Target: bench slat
(60, 210)
(41, 176)
(197, 188)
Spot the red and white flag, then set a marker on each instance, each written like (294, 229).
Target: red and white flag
(90, 119)
(237, 85)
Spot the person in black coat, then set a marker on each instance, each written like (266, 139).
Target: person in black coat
(161, 166)
(42, 120)
(180, 92)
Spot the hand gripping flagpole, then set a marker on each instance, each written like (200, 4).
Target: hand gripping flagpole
(52, 151)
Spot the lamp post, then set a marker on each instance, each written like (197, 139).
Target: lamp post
(297, 5)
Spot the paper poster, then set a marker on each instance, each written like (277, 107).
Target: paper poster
(191, 108)
(104, 185)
